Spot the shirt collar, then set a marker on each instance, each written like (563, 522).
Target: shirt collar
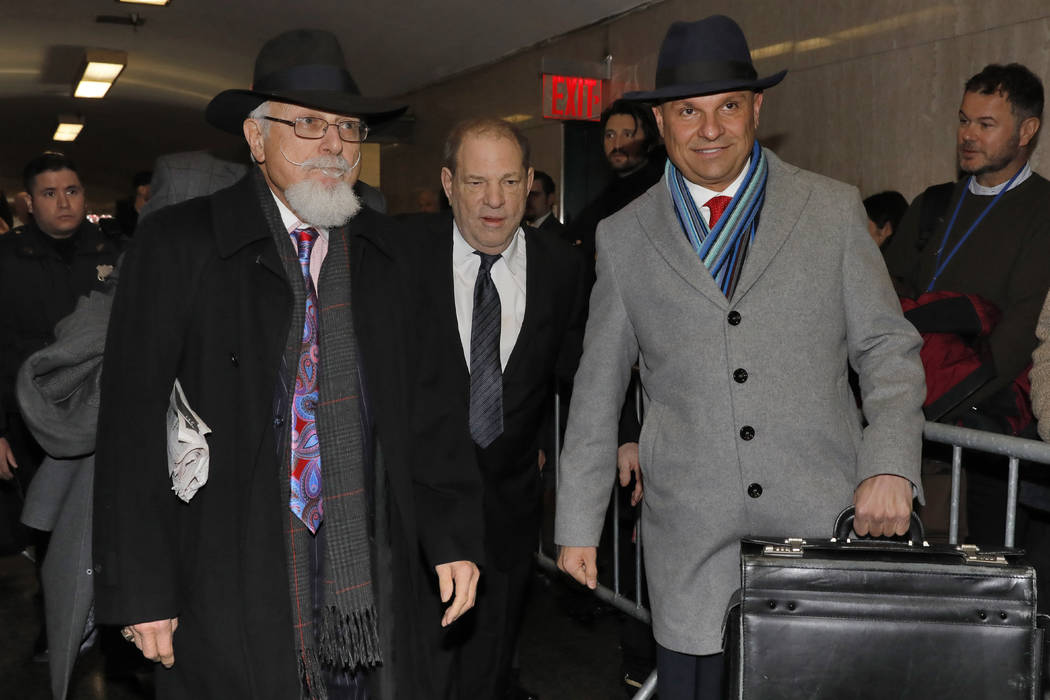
(536, 223)
(701, 194)
(1024, 174)
(292, 222)
(463, 252)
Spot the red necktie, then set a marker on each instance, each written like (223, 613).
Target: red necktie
(717, 205)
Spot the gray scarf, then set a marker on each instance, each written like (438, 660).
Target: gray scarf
(349, 636)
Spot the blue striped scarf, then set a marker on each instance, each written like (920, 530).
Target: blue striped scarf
(723, 249)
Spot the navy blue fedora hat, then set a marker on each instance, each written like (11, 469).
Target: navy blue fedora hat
(302, 67)
(702, 58)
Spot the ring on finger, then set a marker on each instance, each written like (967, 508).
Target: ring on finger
(127, 634)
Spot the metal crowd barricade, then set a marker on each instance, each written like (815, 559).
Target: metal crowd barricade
(610, 596)
(1013, 448)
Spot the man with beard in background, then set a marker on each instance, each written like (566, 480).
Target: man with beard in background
(631, 144)
(281, 307)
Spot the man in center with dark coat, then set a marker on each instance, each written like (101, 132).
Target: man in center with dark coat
(744, 287)
(283, 308)
(503, 319)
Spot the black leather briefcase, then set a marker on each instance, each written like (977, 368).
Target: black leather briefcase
(846, 618)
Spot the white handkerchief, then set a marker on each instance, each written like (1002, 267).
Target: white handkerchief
(187, 448)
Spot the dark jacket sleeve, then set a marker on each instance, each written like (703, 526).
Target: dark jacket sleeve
(902, 256)
(446, 479)
(571, 347)
(1013, 339)
(134, 522)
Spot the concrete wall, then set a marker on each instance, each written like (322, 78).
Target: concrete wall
(871, 96)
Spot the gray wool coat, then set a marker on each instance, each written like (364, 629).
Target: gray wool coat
(776, 449)
(58, 391)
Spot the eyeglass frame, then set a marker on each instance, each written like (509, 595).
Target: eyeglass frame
(294, 124)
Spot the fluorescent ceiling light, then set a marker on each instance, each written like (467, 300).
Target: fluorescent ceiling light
(68, 128)
(146, 2)
(100, 71)
(104, 72)
(92, 89)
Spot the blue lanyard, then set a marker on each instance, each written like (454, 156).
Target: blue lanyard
(938, 265)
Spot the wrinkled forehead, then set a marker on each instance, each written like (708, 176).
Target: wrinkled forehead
(985, 104)
(620, 122)
(289, 110)
(484, 147)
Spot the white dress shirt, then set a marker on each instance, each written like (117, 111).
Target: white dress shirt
(508, 274)
(701, 195)
(320, 249)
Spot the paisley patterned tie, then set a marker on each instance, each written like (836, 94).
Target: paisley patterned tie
(306, 501)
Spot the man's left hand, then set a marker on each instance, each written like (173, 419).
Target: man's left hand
(461, 578)
(883, 506)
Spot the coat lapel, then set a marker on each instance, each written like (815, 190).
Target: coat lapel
(240, 220)
(660, 223)
(786, 198)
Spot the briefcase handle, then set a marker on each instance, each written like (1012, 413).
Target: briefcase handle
(844, 523)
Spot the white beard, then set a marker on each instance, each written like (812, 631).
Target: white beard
(321, 205)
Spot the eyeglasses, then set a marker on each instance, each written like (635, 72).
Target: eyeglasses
(350, 131)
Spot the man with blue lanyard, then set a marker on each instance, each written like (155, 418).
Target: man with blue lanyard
(994, 243)
(744, 287)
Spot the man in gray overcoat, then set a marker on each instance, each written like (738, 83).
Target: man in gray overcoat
(743, 287)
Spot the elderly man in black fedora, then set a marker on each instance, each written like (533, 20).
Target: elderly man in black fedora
(744, 287)
(282, 307)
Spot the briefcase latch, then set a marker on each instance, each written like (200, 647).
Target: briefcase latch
(973, 555)
(792, 547)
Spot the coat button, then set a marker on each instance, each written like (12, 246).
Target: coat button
(740, 376)
(233, 359)
(733, 318)
(278, 421)
(747, 432)
(754, 490)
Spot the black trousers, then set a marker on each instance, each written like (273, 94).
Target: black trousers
(473, 656)
(687, 676)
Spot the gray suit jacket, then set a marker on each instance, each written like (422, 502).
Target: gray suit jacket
(776, 449)
(181, 176)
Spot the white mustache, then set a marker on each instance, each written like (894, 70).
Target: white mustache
(325, 163)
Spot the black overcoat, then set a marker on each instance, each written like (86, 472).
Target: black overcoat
(204, 298)
(38, 289)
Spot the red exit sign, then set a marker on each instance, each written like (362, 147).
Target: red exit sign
(571, 97)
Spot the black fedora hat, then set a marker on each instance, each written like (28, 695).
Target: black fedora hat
(302, 67)
(702, 58)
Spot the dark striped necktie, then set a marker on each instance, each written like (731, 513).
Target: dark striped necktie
(486, 375)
